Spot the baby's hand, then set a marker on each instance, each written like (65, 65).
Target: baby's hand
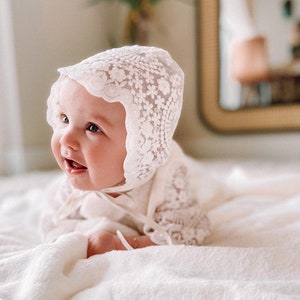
(101, 242)
(105, 241)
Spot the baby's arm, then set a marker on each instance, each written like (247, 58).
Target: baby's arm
(105, 241)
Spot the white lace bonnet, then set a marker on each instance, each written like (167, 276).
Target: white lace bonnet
(149, 84)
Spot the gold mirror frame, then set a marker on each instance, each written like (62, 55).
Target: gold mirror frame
(273, 118)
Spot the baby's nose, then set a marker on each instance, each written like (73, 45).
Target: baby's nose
(69, 139)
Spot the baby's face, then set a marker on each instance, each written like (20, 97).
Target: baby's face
(89, 141)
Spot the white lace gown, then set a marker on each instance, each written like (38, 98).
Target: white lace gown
(162, 208)
(154, 200)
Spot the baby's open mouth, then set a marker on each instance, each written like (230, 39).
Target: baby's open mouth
(73, 165)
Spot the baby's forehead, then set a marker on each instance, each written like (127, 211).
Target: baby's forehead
(70, 90)
(74, 95)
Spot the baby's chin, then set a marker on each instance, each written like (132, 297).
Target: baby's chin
(89, 186)
(82, 185)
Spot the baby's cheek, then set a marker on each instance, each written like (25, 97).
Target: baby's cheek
(53, 142)
(55, 146)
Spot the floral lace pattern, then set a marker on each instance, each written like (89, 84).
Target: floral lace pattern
(179, 214)
(149, 84)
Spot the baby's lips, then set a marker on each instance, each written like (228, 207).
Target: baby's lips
(75, 165)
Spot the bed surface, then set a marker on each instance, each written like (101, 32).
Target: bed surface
(252, 253)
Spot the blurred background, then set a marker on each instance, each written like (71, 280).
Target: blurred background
(38, 36)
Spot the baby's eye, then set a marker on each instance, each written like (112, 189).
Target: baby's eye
(93, 128)
(64, 119)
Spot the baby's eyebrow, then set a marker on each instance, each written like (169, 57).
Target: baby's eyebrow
(102, 120)
(110, 118)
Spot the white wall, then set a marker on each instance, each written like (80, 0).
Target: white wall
(11, 139)
(53, 33)
(50, 34)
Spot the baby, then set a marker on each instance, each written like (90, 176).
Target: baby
(125, 179)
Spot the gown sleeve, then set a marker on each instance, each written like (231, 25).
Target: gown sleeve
(178, 213)
(55, 196)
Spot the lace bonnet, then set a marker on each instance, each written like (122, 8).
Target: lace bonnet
(149, 84)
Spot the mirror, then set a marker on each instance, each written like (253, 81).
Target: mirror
(228, 100)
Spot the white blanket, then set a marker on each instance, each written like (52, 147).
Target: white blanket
(252, 253)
